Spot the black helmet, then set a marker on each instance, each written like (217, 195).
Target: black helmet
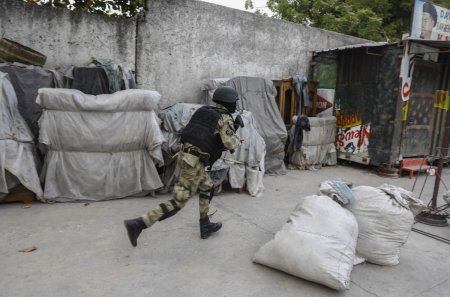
(225, 95)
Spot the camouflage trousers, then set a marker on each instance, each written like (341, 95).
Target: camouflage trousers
(192, 178)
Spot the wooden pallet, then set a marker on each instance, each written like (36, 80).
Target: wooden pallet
(19, 194)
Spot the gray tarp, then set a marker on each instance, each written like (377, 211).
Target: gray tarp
(252, 151)
(257, 95)
(106, 78)
(100, 147)
(209, 86)
(26, 81)
(17, 151)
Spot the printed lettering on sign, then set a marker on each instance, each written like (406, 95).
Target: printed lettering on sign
(346, 121)
(353, 140)
(406, 88)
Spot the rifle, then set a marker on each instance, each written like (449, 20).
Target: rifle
(239, 162)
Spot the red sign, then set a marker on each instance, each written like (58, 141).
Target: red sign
(323, 104)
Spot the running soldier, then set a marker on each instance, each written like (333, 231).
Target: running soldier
(210, 131)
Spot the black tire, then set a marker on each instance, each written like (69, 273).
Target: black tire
(12, 51)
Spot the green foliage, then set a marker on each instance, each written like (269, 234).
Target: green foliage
(378, 20)
(122, 8)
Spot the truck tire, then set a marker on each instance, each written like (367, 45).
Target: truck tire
(11, 51)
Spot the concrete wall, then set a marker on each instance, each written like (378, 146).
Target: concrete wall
(182, 42)
(66, 37)
(179, 43)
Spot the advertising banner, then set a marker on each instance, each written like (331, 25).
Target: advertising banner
(430, 21)
(352, 138)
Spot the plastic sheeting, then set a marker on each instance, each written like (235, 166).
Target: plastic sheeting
(318, 145)
(26, 81)
(17, 151)
(317, 243)
(209, 86)
(251, 151)
(106, 78)
(99, 147)
(257, 95)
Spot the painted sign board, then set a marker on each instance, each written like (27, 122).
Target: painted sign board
(325, 100)
(430, 21)
(352, 138)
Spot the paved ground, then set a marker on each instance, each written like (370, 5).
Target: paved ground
(82, 250)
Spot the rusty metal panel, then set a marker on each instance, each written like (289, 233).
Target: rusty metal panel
(420, 121)
(441, 114)
(367, 105)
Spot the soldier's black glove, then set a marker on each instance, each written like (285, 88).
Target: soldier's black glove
(238, 122)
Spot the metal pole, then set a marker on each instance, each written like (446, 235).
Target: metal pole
(437, 181)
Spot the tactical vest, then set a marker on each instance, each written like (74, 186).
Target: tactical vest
(200, 131)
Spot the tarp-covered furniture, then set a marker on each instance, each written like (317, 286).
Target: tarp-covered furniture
(102, 76)
(17, 150)
(209, 86)
(99, 147)
(249, 172)
(257, 95)
(317, 148)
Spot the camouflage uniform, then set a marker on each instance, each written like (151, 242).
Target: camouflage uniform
(193, 176)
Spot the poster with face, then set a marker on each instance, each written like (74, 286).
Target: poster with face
(430, 21)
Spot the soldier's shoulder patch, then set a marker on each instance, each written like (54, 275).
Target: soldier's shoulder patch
(229, 132)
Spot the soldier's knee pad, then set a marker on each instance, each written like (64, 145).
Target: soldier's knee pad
(168, 213)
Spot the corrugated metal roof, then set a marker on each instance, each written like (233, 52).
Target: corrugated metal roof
(433, 43)
(354, 46)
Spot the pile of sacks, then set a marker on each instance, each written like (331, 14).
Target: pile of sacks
(327, 234)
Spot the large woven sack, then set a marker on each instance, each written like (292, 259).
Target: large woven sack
(384, 225)
(317, 243)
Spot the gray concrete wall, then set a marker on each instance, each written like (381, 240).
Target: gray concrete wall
(182, 42)
(179, 43)
(66, 37)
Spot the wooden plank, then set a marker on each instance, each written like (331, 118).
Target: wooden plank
(19, 194)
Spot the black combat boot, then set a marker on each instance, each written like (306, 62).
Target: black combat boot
(206, 227)
(134, 228)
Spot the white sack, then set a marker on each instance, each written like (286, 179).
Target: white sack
(100, 147)
(384, 225)
(317, 243)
